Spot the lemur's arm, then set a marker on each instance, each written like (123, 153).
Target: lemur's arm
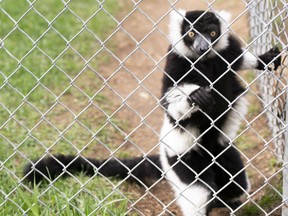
(177, 101)
(184, 100)
(250, 61)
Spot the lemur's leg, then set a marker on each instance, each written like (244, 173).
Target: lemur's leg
(193, 180)
(231, 179)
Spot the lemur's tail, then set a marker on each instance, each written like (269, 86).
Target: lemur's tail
(135, 169)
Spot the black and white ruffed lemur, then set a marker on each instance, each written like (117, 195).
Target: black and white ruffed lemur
(204, 105)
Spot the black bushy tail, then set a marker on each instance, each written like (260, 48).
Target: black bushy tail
(136, 169)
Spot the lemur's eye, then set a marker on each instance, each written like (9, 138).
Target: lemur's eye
(191, 34)
(213, 34)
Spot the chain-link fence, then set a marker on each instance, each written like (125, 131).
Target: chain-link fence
(273, 15)
(84, 79)
(272, 88)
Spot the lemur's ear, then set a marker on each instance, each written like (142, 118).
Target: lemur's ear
(176, 20)
(177, 16)
(224, 16)
(175, 35)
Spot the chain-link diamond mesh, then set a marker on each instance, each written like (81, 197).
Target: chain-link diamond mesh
(84, 78)
(272, 29)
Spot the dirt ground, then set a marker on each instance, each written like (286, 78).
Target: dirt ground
(134, 82)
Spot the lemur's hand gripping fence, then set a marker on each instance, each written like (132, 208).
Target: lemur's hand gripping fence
(84, 78)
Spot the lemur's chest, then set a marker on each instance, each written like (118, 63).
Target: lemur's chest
(216, 69)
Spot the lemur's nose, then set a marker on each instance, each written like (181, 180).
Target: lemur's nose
(203, 50)
(201, 45)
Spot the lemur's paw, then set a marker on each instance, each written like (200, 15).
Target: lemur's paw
(203, 98)
(272, 55)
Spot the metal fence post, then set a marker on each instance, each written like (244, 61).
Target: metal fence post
(262, 10)
(285, 168)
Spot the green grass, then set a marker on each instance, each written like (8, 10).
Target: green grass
(270, 200)
(46, 81)
(68, 197)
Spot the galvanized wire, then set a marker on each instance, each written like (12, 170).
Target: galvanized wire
(268, 19)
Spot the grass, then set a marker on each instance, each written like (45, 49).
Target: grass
(72, 201)
(268, 203)
(268, 199)
(48, 85)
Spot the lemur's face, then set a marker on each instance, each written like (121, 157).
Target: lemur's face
(200, 34)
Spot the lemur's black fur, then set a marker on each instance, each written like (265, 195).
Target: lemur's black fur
(203, 103)
(52, 167)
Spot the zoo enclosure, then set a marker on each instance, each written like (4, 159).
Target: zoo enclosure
(267, 23)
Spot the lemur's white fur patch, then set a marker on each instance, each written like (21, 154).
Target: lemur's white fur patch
(190, 198)
(224, 18)
(176, 142)
(177, 98)
(250, 61)
(233, 122)
(176, 38)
